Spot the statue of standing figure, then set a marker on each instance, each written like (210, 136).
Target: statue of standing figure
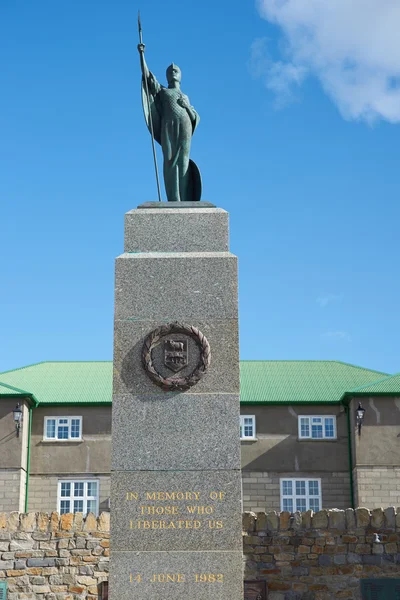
(171, 121)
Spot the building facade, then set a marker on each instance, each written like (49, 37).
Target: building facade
(302, 447)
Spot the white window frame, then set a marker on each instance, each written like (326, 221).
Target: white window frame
(311, 417)
(247, 437)
(72, 496)
(69, 425)
(307, 495)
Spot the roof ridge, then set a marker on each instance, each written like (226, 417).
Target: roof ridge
(368, 385)
(44, 362)
(288, 360)
(15, 389)
(41, 362)
(341, 362)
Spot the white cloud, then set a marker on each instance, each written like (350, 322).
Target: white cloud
(351, 46)
(326, 299)
(335, 336)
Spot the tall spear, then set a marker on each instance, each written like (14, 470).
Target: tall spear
(146, 86)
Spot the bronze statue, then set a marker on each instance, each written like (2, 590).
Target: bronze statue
(171, 121)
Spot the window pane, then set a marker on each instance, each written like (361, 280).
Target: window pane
(62, 430)
(317, 420)
(64, 507)
(51, 428)
(313, 488)
(78, 488)
(300, 488)
(301, 504)
(287, 489)
(92, 506)
(92, 488)
(304, 427)
(287, 504)
(241, 429)
(65, 489)
(316, 431)
(75, 428)
(78, 506)
(329, 428)
(314, 504)
(248, 427)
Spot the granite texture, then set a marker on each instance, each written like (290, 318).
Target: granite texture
(190, 518)
(222, 376)
(173, 286)
(186, 564)
(176, 230)
(210, 444)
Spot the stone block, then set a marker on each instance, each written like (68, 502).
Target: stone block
(130, 377)
(104, 521)
(141, 418)
(176, 230)
(320, 519)
(186, 569)
(13, 521)
(248, 522)
(306, 519)
(272, 520)
(284, 518)
(350, 519)
(204, 510)
(261, 522)
(28, 521)
(362, 517)
(337, 519)
(377, 518)
(146, 286)
(390, 517)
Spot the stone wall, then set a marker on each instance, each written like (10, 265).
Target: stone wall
(48, 557)
(261, 489)
(302, 556)
(321, 556)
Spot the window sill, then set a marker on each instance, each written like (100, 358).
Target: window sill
(74, 441)
(249, 439)
(317, 439)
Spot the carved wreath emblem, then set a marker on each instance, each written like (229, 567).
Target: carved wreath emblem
(176, 355)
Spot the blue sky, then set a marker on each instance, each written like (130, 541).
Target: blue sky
(298, 140)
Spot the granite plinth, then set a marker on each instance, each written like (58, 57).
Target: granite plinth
(143, 575)
(189, 440)
(176, 230)
(174, 286)
(175, 480)
(176, 510)
(129, 377)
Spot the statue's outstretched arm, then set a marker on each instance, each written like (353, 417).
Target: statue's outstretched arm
(154, 86)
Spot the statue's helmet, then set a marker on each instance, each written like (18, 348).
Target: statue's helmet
(173, 73)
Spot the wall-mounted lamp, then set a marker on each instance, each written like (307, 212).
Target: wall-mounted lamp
(360, 417)
(17, 413)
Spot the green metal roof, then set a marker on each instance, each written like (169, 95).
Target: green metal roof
(299, 381)
(64, 382)
(9, 390)
(262, 382)
(388, 385)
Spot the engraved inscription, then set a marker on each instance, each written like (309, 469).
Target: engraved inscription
(158, 510)
(177, 578)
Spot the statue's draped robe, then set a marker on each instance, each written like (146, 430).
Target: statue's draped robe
(173, 130)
